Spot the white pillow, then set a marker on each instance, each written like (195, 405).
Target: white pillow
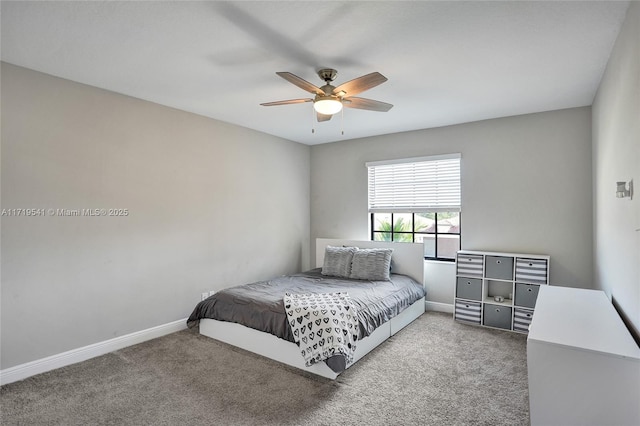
(371, 264)
(337, 261)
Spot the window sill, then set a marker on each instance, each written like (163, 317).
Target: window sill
(439, 261)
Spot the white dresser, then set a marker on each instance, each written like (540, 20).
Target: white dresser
(584, 366)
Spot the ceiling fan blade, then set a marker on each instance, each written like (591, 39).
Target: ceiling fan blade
(301, 83)
(368, 104)
(360, 84)
(323, 117)
(288, 102)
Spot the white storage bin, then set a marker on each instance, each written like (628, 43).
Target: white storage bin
(522, 319)
(469, 265)
(467, 311)
(531, 270)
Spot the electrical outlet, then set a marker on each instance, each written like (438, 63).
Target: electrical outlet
(212, 292)
(205, 295)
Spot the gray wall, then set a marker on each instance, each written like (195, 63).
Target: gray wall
(616, 157)
(210, 205)
(526, 186)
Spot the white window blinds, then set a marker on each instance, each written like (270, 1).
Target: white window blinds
(424, 184)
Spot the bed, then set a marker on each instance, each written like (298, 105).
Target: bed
(257, 321)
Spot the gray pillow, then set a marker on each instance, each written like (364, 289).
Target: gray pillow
(337, 261)
(371, 264)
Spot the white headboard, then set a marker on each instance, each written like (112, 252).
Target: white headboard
(407, 258)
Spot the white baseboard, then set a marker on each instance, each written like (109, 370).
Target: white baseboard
(439, 307)
(22, 371)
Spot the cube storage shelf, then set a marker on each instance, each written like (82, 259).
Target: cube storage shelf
(483, 276)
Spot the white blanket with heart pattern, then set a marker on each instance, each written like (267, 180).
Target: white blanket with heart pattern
(323, 325)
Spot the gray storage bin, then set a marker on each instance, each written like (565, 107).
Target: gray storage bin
(526, 295)
(467, 311)
(469, 288)
(531, 270)
(469, 265)
(497, 316)
(499, 267)
(522, 319)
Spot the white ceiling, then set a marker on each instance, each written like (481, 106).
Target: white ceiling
(447, 62)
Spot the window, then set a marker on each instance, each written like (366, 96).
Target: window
(417, 199)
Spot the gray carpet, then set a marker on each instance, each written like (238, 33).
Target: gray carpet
(434, 372)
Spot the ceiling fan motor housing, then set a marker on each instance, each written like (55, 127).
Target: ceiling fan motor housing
(327, 89)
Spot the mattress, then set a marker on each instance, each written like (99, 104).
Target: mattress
(260, 305)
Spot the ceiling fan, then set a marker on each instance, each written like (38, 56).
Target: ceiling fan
(329, 100)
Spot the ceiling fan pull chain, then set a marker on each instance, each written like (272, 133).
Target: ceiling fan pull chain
(342, 122)
(313, 111)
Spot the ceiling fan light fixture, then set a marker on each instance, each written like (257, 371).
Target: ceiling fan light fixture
(327, 105)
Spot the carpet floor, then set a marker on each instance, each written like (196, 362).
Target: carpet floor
(434, 372)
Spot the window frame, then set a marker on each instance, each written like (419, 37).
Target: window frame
(413, 232)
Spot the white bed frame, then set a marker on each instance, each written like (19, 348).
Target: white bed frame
(408, 259)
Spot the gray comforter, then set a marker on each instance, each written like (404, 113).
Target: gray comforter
(260, 305)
